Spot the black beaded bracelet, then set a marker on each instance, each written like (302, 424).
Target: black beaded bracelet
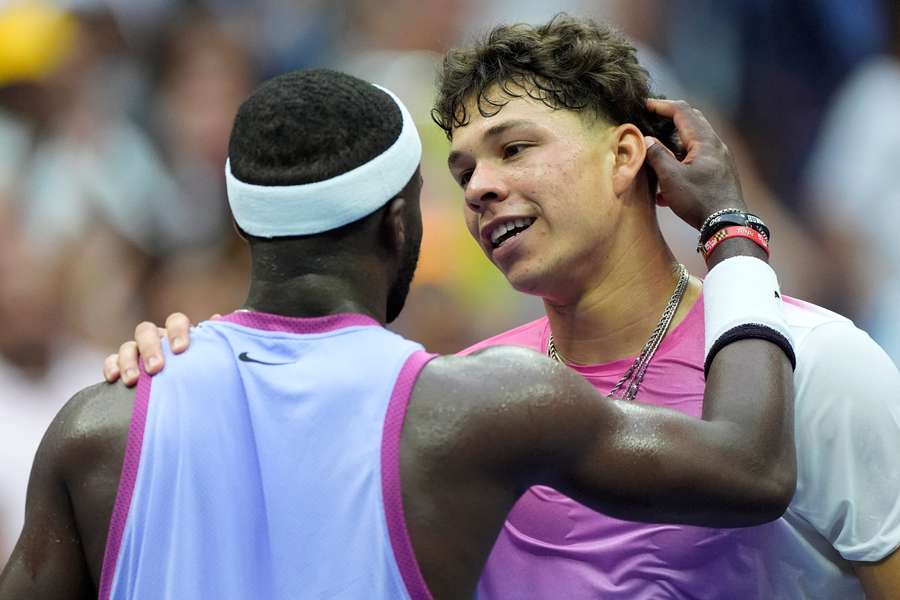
(728, 219)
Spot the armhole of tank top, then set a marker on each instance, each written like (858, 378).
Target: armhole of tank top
(391, 489)
(127, 481)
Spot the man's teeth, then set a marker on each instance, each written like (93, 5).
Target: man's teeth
(501, 229)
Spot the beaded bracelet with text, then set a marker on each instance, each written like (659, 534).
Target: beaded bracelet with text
(732, 232)
(744, 219)
(725, 211)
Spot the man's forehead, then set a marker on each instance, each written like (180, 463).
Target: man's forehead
(498, 116)
(505, 113)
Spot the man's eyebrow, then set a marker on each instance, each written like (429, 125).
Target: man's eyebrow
(492, 132)
(454, 158)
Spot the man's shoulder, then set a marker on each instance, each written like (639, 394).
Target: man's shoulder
(492, 378)
(495, 398)
(88, 433)
(803, 316)
(528, 335)
(214, 345)
(815, 328)
(847, 433)
(94, 417)
(842, 376)
(831, 347)
(818, 330)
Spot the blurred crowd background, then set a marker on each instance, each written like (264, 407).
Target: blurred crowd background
(115, 115)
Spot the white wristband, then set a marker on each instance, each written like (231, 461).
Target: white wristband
(741, 299)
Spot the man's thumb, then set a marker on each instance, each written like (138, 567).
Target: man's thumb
(660, 158)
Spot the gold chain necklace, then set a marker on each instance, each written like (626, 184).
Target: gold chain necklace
(635, 373)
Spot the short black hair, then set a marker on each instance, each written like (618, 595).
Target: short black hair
(311, 125)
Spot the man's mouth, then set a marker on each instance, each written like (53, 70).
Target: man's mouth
(508, 230)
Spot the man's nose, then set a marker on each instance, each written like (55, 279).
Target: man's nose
(484, 187)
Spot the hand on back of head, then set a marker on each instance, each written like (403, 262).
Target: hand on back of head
(706, 179)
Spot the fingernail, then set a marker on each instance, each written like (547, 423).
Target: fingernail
(152, 362)
(649, 141)
(131, 373)
(179, 343)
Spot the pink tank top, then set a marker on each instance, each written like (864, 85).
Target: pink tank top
(552, 547)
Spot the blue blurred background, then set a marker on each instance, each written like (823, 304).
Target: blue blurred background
(115, 115)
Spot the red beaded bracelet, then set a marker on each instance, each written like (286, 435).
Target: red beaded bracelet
(733, 232)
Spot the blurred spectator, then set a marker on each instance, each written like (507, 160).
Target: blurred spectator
(854, 195)
(80, 172)
(405, 25)
(41, 366)
(198, 284)
(771, 66)
(203, 75)
(90, 162)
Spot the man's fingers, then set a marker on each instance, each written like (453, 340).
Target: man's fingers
(662, 160)
(111, 368)
(691, 124)
(128, 363)
(149, 346)
(179, 327)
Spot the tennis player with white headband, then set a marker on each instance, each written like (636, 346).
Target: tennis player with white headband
(304, 209)
(300, 449)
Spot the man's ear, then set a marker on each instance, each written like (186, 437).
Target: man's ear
(393, 225)
(630, 150)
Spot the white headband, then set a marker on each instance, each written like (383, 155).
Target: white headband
(274, 211)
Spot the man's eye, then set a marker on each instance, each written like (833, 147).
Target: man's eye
(513, 149)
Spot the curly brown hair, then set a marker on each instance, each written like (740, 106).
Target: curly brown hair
(569, 63)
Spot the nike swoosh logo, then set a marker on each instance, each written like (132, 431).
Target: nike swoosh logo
(245, 358)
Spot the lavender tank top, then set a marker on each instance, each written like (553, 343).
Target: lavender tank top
(264, 463)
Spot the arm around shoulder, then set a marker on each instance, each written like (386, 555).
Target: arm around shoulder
(533, 421)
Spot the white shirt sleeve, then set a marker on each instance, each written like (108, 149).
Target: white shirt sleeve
(847, 425)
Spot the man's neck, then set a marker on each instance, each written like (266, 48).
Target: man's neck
(613, 317)
(312, 295)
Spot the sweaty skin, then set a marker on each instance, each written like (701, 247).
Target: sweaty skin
(468, 451)
(478, 432)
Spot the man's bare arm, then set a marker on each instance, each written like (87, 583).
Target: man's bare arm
(49, 560)
(70, 498)
(529, 420)
(734, 468)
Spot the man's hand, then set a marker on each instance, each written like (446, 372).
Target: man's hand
(706, 180)
(147, 344)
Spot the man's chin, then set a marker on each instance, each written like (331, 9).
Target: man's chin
(531, 283)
